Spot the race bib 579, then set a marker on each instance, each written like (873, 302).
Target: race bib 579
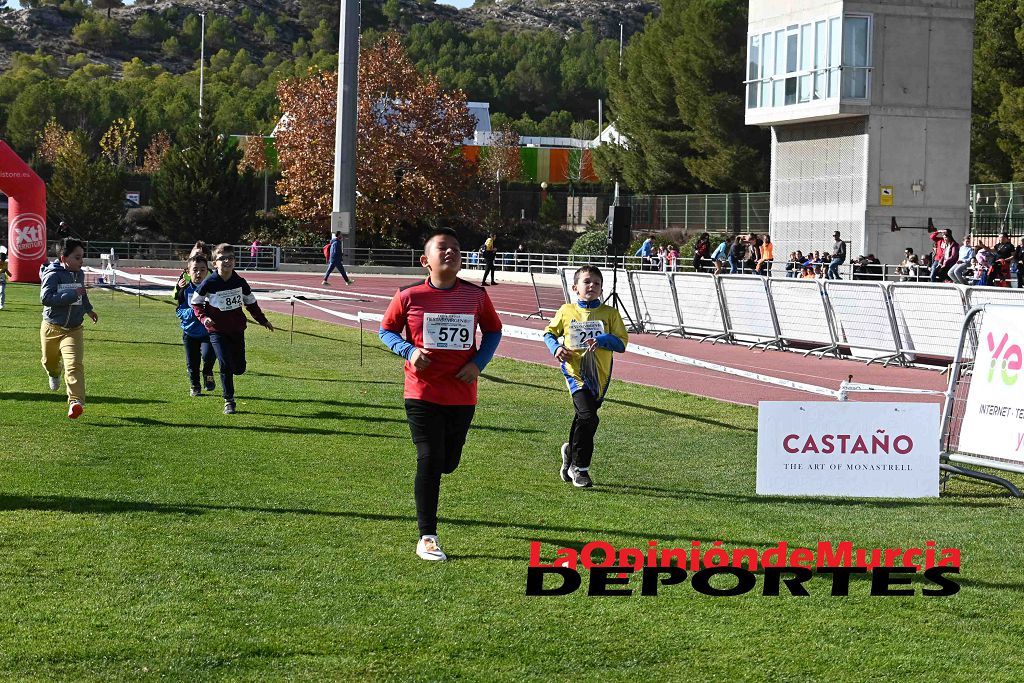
(449, 331)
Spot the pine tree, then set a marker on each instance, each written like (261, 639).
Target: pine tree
(199, 192)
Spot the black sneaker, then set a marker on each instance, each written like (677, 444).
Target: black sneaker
(566, 463)
(210, 384)
(195, 391)
(229, 407)
(580, 478)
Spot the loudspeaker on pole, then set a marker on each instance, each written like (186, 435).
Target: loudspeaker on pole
(620, 224)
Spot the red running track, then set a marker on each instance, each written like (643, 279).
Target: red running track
(372, 293)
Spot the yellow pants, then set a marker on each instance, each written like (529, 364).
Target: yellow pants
(60, 343)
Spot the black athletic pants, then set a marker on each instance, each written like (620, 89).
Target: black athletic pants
(584, 426)
(439, 433)
(198, 349)
(488, 266)
(230, 349)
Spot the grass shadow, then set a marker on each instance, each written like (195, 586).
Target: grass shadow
(630, 404)
(675, 494)
(48, 397)
(82, 505)
(278, 429)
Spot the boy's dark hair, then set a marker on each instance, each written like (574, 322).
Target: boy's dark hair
(338, 234)
(69, 245)
(223, 248)
(592, 270)
(203, 247)
(437, 232)
(198, 258)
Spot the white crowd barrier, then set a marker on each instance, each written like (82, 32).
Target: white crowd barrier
(928, 317)
(803, 314)
(700, 305)
(864, 321)
(656, 302)
(749, 313)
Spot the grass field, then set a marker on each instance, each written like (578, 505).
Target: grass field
(158, 538)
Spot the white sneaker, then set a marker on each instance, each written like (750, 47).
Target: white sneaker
(54, 383)
(428, 549)
(566, 463)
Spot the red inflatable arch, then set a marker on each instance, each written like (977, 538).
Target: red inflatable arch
(26, 216)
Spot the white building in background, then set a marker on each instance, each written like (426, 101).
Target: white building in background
(869, 105)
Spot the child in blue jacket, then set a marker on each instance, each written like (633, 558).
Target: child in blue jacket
(194, 334)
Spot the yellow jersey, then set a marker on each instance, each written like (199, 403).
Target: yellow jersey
(573, 324)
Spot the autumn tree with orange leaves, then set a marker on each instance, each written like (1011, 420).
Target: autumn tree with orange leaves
(408, 166)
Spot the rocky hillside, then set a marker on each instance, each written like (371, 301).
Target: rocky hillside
(49, 28)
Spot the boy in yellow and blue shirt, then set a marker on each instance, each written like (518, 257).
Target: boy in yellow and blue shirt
(590, 332)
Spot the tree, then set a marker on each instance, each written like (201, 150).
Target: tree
(85, 193)
(677, 102)
(107, 5)
(120, 144)
(53, 141)
(156, 152)
(409, 129)
(254, 154)
(502, 160)
(199, 193)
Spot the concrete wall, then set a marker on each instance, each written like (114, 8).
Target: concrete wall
(920, 120)
(917, 121)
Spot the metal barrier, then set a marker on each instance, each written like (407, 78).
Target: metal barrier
(928, 317)
(979, 296)
(955, 413)
(864, 320)
(749, 312)
(656, 302)
(700, 306)
(803, 314)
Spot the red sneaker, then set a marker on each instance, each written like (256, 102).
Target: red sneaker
(75, 410)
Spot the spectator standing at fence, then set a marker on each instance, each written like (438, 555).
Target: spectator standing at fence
(1019, 256)
(838, 257)
(335, 257)
(751, 254)
(764, 264)
(521, 260)
(950, 255)
(958, 272)
(254, 252)
(673, 258)
(490, 251)
(701, 250)
(719, 256)
(646, 250)
(938, 238)
(736, 253)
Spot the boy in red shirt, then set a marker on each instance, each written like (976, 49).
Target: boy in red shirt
(438, 318)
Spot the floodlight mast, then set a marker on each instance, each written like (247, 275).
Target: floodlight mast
(343, 216)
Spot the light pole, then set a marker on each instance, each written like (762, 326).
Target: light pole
(343, 216)
(202, 58)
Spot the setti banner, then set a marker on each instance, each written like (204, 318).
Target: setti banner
(993, 423)
(868, 449)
